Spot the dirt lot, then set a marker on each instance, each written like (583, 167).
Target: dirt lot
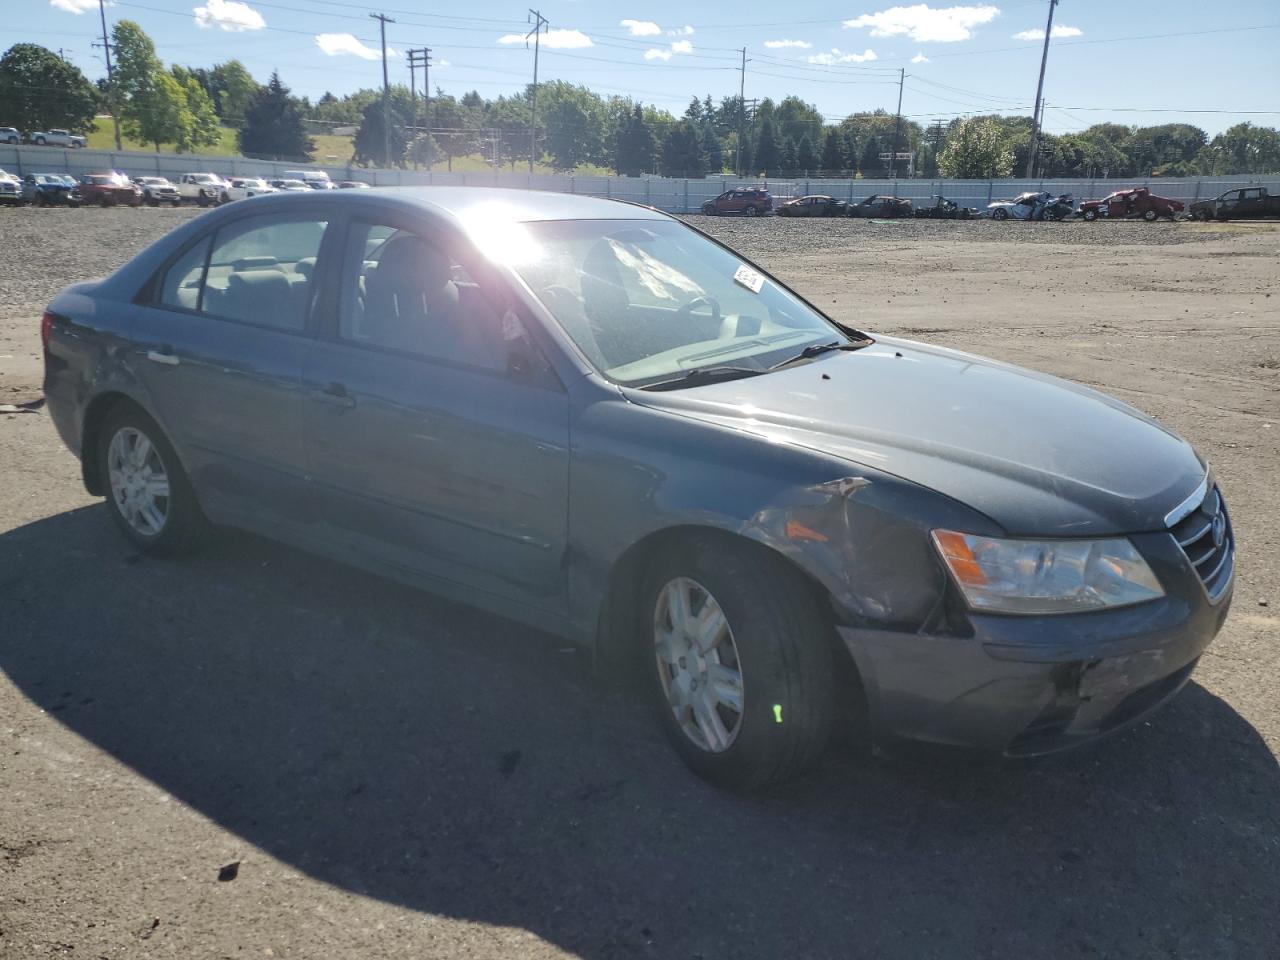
(400, 777)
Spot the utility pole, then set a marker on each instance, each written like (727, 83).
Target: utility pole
(1035, 120)
(897, 126)
(540, 23)
(742, 111)
(420, 57)
(386, 90)
(111, 84)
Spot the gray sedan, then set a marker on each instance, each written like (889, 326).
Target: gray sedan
(590, 417)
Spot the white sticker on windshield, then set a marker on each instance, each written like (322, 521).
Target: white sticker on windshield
(749, 278)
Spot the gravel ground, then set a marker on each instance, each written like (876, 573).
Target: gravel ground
(400, 777)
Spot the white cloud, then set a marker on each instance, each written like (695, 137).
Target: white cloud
(682, 46)
(680, 32)
(641, 28)
(838, 56)
(345, 44)
(926, 24)
(656, 54)
(1059, 31)
(919, 58)
(75, 6)
(788, 44)
(441, 63)
(230, 15)
(555, 39)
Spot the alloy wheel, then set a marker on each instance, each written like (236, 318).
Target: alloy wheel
(698, 664)
(139, 481)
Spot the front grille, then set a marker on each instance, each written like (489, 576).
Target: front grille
(1206, 538)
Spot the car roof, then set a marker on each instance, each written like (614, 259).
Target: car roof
(493, 204)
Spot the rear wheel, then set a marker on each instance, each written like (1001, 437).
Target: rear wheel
(148, 493)
(999, 214)
(1091, 215)
(202, 200)
(1151, 216)
(741, 664)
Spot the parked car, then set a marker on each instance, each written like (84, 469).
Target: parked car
(748, 201)
(352, 185)
(49, 189)
(1245, 203)
(56, 138)
(644, 442)
(109, 189)
(881, 206)
(813, 206)
(1136, 202)
(10, 135)
(940, 208)
(289, 186)
(10, 189)
(1025, 206)
(1061, 207)
(158, 190)
(315, 179)
(205, 189)
(239, 188)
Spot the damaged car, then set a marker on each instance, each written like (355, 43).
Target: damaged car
(591, 417)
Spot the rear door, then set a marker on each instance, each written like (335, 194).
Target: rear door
(436, 439)
(219, 346)
(1250, 203)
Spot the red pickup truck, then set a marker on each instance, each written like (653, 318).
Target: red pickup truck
(1136, 202)
(108, 189)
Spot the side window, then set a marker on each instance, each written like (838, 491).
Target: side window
(1250, 194)
(184, 278)
(406, 292)
(261, 271)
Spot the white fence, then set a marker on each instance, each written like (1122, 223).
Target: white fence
(672, 195)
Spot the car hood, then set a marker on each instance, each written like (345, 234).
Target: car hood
(1038, 455)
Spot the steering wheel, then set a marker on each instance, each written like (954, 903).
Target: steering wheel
(686, 311)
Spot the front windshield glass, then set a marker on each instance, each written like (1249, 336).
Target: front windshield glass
(649, 301)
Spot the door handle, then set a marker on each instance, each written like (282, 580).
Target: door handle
(336, 394)
(163, 356)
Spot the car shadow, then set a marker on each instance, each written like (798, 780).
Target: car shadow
(451, 762)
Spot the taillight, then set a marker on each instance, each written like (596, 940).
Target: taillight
(46, 328)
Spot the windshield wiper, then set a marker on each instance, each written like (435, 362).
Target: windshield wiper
(705, 375)
(817, 349)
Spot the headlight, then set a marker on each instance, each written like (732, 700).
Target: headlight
(1046, 576)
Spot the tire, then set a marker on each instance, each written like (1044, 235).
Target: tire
(1090, 215)
(176, 203)
(182, 522)
(39, 141)
(780, 645)
(751, 211)
(1151, 216)
(152, 202)
(202, 200)
(225, 198)
(999, 214)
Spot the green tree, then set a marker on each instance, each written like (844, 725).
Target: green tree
(1244, 148)
(574, 119)
(423, 149)
(384, 134)
(789, 165)
(869, 164)
(976, 150)
(201, 127)
(234, 89)
(796, 119)
(452, 125)
(768, 148)
(272, 128)
(806, 157)
(714, 148)
(636, 147)
(849, 147)
(153, 105)
(683, 151)
(40, 90)
(748, 159)
(832, 153)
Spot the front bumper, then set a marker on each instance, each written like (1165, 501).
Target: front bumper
(1024, 686)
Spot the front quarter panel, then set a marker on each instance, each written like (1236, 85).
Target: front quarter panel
(860, 534)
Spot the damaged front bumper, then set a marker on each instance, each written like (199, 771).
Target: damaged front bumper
(1025, 686)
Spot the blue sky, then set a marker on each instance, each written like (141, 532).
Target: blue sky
(842, 56)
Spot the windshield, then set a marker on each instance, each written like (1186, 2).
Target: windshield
(650, 300)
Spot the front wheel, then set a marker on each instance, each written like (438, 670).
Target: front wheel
(1150, 216)
(202, 200)
(147, 490)
(1091, 215)
(751, 211)
(999, 214)
(741, 664)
